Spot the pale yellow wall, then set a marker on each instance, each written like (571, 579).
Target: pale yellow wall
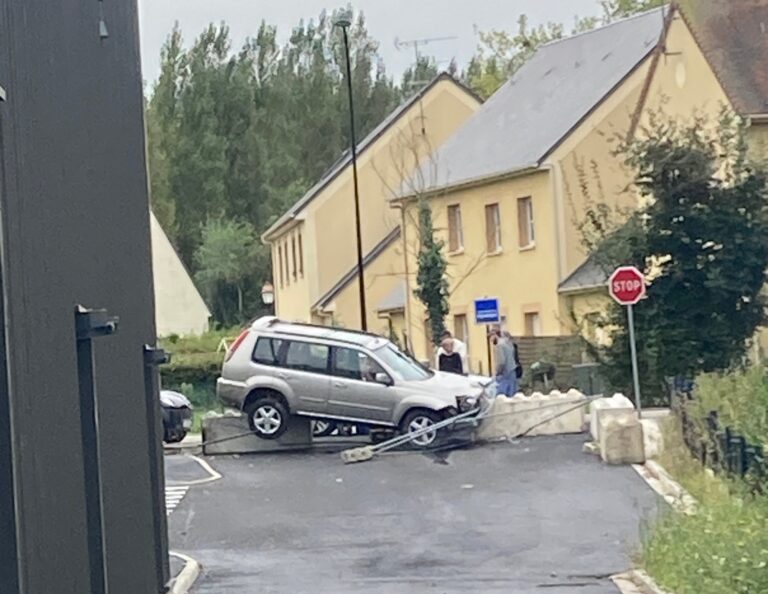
(381, 276)
(329, 236)
(758, 141)
(524, 280)
(588, 173)
(292, 292)
(684, 84)
(581, 307)
(179, 308)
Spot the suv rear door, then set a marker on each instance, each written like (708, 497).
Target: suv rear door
(302, 365)
(305, 367)
(354, 393)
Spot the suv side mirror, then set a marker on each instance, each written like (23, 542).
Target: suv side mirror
(383, 378)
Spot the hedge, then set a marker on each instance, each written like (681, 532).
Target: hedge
(193, 374)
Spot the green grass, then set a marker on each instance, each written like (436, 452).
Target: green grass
(723, 549)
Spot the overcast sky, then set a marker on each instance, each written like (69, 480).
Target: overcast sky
(387, 20)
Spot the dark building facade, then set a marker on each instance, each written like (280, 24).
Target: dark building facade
(75, 233)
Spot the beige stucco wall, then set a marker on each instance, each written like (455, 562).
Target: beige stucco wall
(684, 83)
(524, 280)
(381, 277)
(179, 308)
(328, 221)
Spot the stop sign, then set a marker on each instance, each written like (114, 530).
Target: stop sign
(627, 285)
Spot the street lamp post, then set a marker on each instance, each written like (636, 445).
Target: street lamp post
(344, 21)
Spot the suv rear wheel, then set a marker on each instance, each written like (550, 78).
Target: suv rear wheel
(418, 420)
(267, 417)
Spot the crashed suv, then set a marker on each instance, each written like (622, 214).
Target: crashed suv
(276, 369)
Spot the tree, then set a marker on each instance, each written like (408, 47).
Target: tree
(701, 236)
(432, 285)
(618, 9)
(225, 260)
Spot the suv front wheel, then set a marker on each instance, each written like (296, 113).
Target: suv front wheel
(267, 417)
(418, 420)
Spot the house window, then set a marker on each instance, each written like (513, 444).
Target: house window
(492, 228)
(280, 264)
(455, 232)
(287, 272)
(293, 256)
(532, 324)
(301, 257)
(525, 222)
(461, 329)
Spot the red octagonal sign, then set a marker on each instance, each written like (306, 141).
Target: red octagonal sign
(627, 285)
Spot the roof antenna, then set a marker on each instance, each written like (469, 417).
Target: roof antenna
(401, 45)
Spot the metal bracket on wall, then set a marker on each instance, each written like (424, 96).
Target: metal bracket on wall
(153, 358)
(3, 94)
(90, 324)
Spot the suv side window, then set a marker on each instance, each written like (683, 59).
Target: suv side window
(267, 351)
(354, 364)
(306, 356)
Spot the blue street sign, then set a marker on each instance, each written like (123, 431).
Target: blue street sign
(487, 311)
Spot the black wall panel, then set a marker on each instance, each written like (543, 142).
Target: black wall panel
(75, 230)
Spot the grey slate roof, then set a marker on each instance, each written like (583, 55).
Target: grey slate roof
(587, 276)
(345, 159)
(326, 299)
(544, 101)
(395, 299)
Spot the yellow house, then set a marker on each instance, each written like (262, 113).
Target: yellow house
(507, 190)
(314, 253)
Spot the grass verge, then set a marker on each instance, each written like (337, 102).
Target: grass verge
(723, 549)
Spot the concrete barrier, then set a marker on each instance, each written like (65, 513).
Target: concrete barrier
(621, 439)
(509, 417)
(616, 406)
(221, 432)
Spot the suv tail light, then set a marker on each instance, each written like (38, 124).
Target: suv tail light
(238, 341)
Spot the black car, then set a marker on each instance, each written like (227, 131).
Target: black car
(177, 415)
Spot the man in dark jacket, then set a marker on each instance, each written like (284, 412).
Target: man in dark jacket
(505, 356)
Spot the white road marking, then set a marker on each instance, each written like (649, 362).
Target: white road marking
(173, 496)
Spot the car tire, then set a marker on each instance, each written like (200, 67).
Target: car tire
(418, 419)
(323, 428)
(267, 417)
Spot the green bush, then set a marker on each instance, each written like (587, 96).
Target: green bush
(194, 375)
(740, 399)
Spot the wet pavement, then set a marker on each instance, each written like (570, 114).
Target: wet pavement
(528, 517)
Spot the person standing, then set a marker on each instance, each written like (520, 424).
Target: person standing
(457, 347)
(449, 360)
(505, 357)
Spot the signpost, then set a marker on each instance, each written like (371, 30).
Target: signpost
(486, 313)
(627, 287)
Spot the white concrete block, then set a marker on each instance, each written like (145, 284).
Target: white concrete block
(621, 440)
(510, 417)
(653, 438)
(617, 402)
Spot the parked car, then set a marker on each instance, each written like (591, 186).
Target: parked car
(276, 369)
(177, 415)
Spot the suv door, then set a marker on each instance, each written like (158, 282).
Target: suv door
(304, 366)
(354, 393)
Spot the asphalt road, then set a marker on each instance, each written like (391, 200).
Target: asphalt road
(531, 517)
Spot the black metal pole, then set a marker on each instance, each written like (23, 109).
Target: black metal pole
(363, 320)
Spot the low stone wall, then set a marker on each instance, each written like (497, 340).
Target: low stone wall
(549, 414)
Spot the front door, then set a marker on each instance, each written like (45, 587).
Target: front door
(354, 393)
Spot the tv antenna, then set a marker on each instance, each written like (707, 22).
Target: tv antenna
(404, 44)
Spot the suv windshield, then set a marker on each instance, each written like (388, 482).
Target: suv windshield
(403, 366)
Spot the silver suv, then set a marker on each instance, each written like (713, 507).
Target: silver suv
(276, 369)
